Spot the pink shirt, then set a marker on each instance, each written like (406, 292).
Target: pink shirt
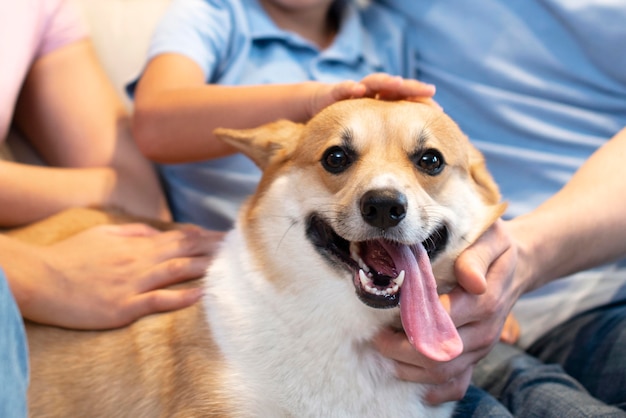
(30, 29)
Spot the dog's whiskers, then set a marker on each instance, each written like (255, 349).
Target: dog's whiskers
(293, 223)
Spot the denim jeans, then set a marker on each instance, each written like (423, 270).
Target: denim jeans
(13, 356)
(576, 370)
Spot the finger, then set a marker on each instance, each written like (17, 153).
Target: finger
(132, 230)
(383, 86)
(162, 300)
(380, 81)
(435, 375)
(478, 339)
(186, 242)
(479, 329)
(387, 87)
(452, 390)
(463, 307)
(175, 271)
(396, 346)
(473, 264)
(408, 89)
(470, 272)
(348, 90)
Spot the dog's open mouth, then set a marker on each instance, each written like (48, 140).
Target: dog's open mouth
(376, 265)
(387, 273)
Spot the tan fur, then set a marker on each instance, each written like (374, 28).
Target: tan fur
(151, 368)
(167, 365)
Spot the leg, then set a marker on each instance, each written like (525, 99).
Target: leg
(13, 356)
(591, 348)
(480, 404)
(529, 388)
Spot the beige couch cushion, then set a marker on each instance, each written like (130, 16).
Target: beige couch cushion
(121, 32)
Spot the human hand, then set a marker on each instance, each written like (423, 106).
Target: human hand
(111, 275)
(386, 87)
(478, 307)
(378, 85)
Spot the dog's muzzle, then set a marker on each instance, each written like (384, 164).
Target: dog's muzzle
(377, 278)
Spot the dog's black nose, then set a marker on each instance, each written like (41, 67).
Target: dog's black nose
(383, 208)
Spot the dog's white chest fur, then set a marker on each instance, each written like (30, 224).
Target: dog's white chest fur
(296, 351)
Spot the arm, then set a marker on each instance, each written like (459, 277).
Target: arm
(176, 111)
(70, 113)
(107, 276)
(511, 258)
(580, 227)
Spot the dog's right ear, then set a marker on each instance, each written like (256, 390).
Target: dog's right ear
(265, 143)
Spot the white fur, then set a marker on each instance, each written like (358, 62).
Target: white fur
(310, 332)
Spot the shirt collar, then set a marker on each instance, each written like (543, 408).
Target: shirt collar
(351, 44)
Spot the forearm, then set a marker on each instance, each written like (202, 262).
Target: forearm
(176, 125)
(29, 193)
(89, 135)
(583, 225)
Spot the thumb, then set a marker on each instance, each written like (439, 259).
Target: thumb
(470, 272)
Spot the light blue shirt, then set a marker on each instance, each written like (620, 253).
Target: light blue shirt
(538, 85)
(236, 43)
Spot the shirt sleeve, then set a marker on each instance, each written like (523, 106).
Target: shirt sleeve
(197, 29)
(63, 25)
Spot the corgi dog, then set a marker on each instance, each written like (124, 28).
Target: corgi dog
(355, 226)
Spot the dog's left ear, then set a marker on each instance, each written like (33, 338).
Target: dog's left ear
(483, 181)
(485, 184)
(265, 143)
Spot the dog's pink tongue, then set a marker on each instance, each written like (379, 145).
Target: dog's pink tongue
(426, 323)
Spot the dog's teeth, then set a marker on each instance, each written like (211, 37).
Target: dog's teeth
(354, 253)
(400, 279)
(364, 279)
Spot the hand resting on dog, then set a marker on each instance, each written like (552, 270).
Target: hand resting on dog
(109, 275)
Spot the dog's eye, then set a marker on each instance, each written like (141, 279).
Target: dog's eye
(336, 159)
(430, 161)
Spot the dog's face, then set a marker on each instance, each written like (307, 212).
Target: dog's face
(383, 191)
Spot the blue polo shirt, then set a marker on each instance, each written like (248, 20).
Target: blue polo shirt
(538, 85)
(236, 43)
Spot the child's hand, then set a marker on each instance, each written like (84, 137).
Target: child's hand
(378, 86)
(386, 87)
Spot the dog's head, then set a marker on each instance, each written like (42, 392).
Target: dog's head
(389, 192)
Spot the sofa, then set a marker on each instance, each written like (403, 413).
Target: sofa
(121, 32)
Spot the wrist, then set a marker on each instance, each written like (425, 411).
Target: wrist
(530, 271)
(99, 188)
(24, 267)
